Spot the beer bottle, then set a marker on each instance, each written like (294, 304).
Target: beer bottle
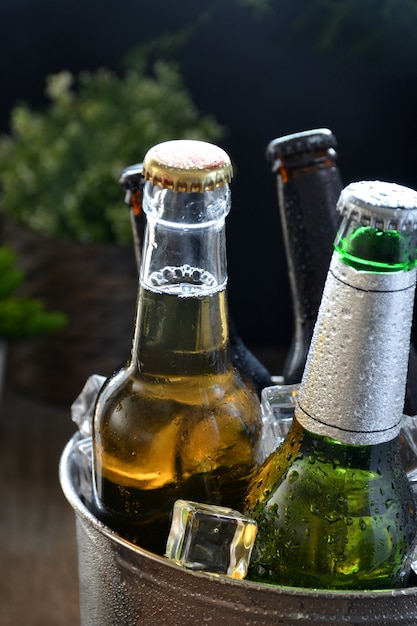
(333, 503)
(178, 421)
(132, 182)
(309, 185)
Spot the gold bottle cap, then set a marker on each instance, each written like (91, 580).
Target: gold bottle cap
(187, 165)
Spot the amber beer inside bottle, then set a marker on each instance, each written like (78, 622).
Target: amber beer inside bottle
(178, 421)
(189, 396)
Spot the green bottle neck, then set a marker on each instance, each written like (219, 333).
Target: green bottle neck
(371, 249)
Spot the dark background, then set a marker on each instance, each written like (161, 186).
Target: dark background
(263, 69)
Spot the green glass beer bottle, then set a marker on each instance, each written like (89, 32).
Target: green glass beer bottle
(333, 503)
(178, 421)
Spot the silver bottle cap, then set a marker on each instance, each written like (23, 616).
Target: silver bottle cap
(387, 206)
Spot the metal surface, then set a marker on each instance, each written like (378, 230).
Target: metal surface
(380, 204)
(125, 586)
(372, 311)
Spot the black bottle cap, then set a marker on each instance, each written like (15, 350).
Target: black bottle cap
(132, 179)
(297, 143)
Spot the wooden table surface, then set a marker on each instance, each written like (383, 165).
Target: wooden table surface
(38, 562)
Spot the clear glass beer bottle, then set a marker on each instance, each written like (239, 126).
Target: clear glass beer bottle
(178, 421)
(333, 503)
(132, 182)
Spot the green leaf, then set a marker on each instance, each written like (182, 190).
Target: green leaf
(11, 277)
(24, 318)
(20, 317)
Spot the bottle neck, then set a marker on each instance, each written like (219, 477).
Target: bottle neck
(182, 323)
(307, 197)
(297, 164)
(369, 248)
(184, 247)
(353, 385)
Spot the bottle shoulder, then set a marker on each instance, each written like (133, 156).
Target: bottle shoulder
(332, 516)
(139, 395)
(306, 461)
(185, 425)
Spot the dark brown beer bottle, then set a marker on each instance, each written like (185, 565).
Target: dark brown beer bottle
(309, 185)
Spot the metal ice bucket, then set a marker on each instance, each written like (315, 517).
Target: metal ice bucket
(122, 585)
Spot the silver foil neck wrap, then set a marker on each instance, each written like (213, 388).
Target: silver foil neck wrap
(354, 381)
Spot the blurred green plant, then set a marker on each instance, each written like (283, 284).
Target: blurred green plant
(21, 317)
(59, 167)
(354, 28)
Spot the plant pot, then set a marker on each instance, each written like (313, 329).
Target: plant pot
(96, 286)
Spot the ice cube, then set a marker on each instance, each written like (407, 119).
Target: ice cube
(211, 538)
(82, 409)
(278, 403)
(408, 441)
